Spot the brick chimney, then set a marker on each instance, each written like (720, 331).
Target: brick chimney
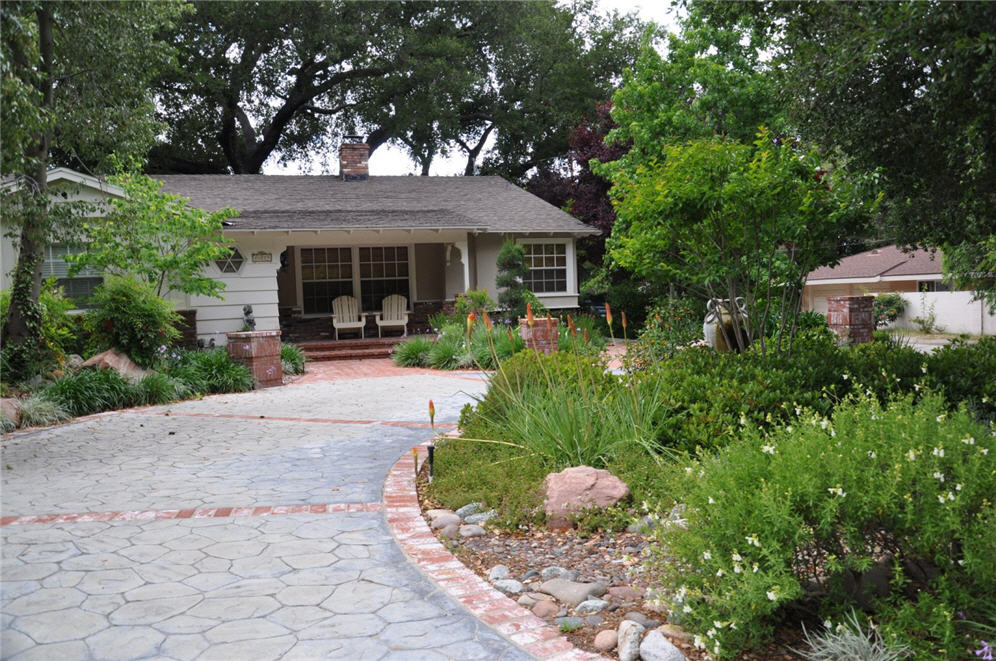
(354, 155)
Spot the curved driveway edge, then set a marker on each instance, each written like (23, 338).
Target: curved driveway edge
(405, 522)
(234, 527)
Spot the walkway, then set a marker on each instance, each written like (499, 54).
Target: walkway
(235, 527)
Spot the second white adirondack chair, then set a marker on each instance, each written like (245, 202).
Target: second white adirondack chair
(393, 314)
(346, 315)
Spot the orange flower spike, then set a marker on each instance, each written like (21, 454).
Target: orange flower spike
(470, 322)
(511, 338)
(623, 315)
(586, 335)
(487, 320)
(549, 323)
(530, 319)
(608, 315)
(432, 413)
(570, 326)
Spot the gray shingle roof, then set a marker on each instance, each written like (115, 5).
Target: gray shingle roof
(279, 202)
(882, 262)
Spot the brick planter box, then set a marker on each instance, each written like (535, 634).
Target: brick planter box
(542, 336)
(851, 318)
(260, 352)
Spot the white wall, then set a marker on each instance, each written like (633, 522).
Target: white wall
(255, 284)
(955, 311)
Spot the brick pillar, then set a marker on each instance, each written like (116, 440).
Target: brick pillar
(543, 336)
(260, 352)
(851, 318)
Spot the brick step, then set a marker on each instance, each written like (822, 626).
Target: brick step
(350, 354)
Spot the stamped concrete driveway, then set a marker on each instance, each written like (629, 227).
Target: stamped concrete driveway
(234, 527)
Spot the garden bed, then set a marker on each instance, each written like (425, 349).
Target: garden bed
(608, 557)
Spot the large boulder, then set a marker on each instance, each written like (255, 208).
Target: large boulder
(582, 487)
(10, 408)
(120, 363)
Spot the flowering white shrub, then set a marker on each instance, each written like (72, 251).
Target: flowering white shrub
(806, 510)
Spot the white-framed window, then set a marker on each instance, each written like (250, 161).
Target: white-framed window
(326, 273)
(547, 262)
(369, 273)
(80, 286)
(383, 271)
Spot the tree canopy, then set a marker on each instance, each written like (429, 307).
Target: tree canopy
(285, 80)
(154, 236)
(732, 220)
(904, 88)
(76, 78)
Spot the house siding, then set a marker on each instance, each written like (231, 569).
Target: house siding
(430, 281)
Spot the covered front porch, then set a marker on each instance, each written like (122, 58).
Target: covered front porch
(429, 269)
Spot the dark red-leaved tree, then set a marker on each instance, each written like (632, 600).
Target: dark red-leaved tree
(572, 186)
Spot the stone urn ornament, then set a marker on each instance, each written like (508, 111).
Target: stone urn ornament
(719, 313)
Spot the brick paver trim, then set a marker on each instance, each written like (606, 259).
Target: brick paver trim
(521, 627)
(205, 513)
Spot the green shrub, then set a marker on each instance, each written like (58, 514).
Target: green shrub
(475, 300)
(37, 411)
(211, 371)
(815, 510)
(129, 316)
(964, 372)
(670, 325)
(585, 325)
(441, 320)
(159, 388)
(512, 270)
(413, 352)
(886, 308)
(58, 327)
(92, 391)
(291, 358)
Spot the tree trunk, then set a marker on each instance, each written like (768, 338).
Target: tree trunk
(22, 328)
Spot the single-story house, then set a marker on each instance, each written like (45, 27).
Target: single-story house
(918, 276)
(300, 241)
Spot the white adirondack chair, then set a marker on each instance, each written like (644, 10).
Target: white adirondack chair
(346, 315)
(393, 314)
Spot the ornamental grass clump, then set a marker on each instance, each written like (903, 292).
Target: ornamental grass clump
(37, 411)
(883, 507)
(849, 640)
(211, 371)
(291, 358)
(566, 410)
(92, 391)
(414, 352)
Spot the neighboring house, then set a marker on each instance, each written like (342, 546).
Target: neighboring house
(917, 276)
(71, 186)
(300, 241)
